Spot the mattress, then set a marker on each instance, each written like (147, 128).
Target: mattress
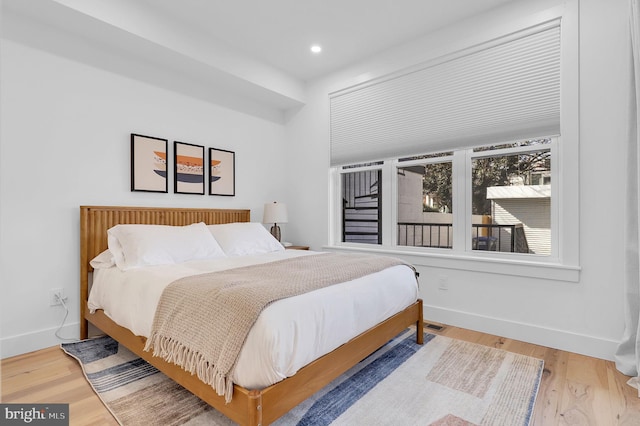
(289, 333)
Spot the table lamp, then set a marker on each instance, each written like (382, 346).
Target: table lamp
(275, 213)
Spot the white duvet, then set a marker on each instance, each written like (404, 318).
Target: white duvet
(289, 333)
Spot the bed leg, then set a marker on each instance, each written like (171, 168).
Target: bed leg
(420, 325)
(84, 323)
(255, 408)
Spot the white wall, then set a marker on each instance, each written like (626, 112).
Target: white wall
(65, 143)
(584, 316)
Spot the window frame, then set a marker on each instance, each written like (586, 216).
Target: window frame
(434, 160)
(462, 170)
(376, 166)
(564, 266)
(556, 180)
(461, 255)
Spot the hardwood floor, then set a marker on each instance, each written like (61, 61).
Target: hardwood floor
(51, 376)
(575, 389)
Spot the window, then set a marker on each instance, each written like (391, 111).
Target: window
(425, 208)
(478, 203)
(511, 197)
(507, 207)
(361, 205)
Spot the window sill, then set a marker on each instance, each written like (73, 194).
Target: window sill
(486, 264)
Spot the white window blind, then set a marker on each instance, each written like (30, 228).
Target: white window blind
(508, 89)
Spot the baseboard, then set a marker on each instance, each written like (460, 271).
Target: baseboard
(558, 339)
(24, 343)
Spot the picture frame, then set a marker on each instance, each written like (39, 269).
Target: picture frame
(149, 164)
(222, 172)
(188, 168)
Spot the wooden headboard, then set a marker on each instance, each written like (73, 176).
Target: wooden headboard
(96, 220)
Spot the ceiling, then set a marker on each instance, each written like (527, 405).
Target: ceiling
(248, 55)
(280, 32)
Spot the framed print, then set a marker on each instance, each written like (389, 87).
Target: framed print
(148, 164)
(222, 172)
(188, 166)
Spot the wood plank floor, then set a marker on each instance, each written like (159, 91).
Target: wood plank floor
(575, 389)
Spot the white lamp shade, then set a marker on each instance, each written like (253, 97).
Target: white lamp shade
(275, 213)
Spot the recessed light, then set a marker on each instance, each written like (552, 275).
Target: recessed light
(316, 48)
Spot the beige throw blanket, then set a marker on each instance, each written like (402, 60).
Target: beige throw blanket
(202, 321)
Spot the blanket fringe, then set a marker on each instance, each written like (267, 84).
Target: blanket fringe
(192, 361)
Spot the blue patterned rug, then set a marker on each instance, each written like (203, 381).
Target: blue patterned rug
(443, 382)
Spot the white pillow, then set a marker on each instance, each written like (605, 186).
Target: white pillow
(244, 238)
(104, 260)
(134, 246)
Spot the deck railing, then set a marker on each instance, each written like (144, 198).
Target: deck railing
(492, 237)
(415, 234)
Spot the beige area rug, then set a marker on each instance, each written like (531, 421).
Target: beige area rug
(443, 382)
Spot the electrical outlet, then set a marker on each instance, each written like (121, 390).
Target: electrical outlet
(443, 283)
(53, 300)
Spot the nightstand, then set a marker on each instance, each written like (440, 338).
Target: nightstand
(297, 247)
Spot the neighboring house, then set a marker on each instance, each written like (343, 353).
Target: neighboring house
(528, 205)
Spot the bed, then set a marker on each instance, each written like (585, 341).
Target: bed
(247, 407)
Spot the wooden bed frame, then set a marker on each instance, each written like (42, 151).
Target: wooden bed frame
(248, 407)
